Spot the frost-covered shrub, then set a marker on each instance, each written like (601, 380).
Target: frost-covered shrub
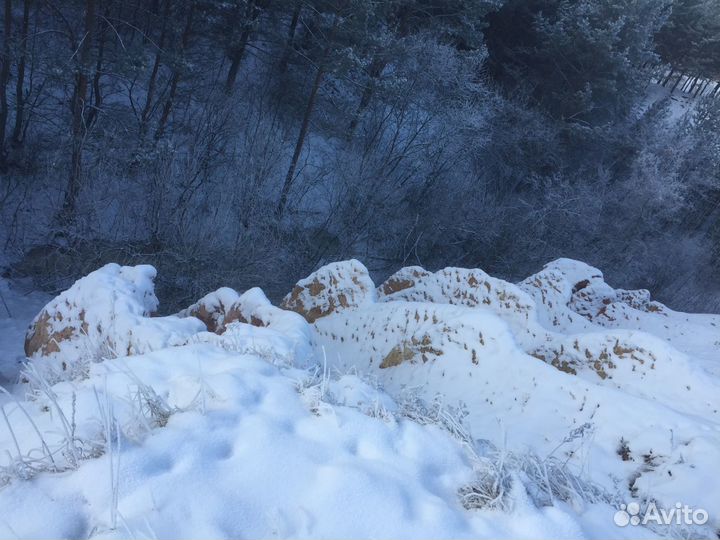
(499, 473)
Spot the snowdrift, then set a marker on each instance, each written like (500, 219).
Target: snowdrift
(449, 403)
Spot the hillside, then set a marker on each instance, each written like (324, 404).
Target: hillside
(240, 143)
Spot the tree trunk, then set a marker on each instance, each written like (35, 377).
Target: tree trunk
(677, 82)
(290, 177)
(67, 214)
(4, 79)
(374, 71)
(687, 88)
(238, 49)
(667, 79)
(684, 85)
(696, 84)
(285, 58)
(152, 82)
(235, 59)
(97, 94)
(20, 82)
(701, 89)
(175, 80)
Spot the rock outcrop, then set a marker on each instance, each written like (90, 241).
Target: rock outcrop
(107, 313)
(459, 286)
(331, 289)
(215, 309)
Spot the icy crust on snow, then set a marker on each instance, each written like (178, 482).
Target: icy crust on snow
(333, 288)
(106, 313)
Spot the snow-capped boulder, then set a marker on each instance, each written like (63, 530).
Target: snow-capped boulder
(636, 362)
(471, 288)
(461, 286)
(405, 278)
(254, 308)
(573, 293)
(553, 288)
(106, 313)
(607, 306)
(334, 287)
(224, 306)
(251, 323)
(572, 301)
(213, 309)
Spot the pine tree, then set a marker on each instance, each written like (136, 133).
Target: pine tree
(689, 41)
(581, 61)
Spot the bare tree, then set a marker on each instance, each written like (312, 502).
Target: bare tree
(177, 71)
(290, 177)
(152, 80)
(20, 81)
(237, 49)
(292, 28)
(4, 79)
(79, 115)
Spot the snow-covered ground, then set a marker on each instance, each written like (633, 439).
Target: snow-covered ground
(447, 404)
(18, 305)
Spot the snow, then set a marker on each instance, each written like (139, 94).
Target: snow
(681, 103)
(19, 305)
(613, 360)
(256, 462)
(368, 419)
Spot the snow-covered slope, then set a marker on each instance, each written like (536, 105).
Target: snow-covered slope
(445, 404)
(535, 361)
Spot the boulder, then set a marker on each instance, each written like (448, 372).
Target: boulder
(458, 286)
(214, 309)
(333, 288)
(252, 324)
(107, 313)
(571, 294)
